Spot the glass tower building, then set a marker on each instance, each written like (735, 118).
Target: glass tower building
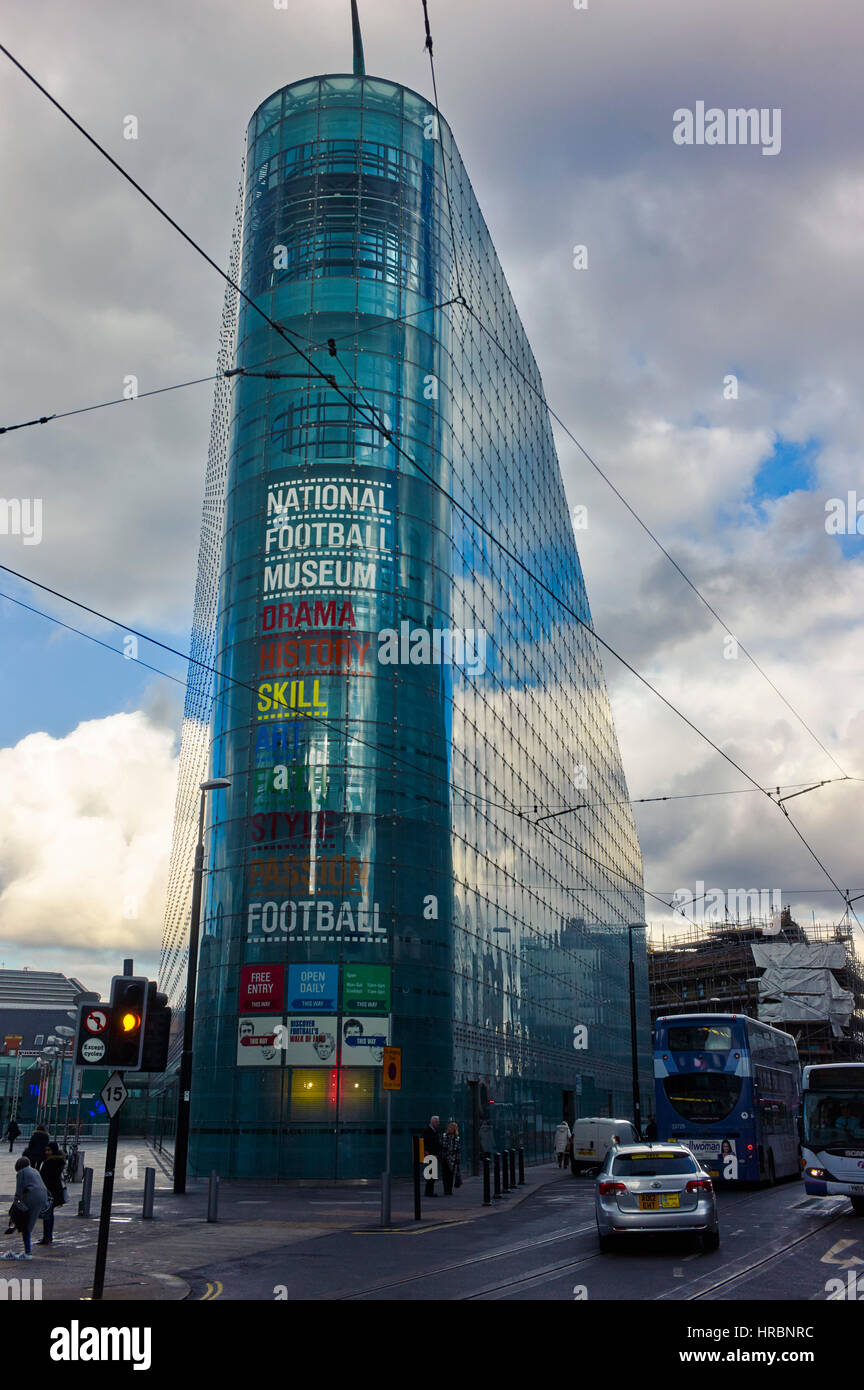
(397, 700)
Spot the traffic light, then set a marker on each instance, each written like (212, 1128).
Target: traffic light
(157, 1031)
(128, 1019)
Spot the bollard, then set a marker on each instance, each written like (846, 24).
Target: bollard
(487, 1195)
(497, 1161)
(521, 1167)
(213, 1197)
(86, 1192)
(512, 1154)
(149, 1192)
(505, 1173)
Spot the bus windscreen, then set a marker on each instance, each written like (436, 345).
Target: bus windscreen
(703, 1095)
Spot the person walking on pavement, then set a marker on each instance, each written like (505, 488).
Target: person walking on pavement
(451, 1157)
(562, 1139)
(51, 1174)
(432, 1145)
(13, 1129)
(651, 1131)
(31, 1199)
(35, 1149)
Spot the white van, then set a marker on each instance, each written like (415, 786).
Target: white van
(594, 1137)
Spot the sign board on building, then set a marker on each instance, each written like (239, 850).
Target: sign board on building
(258, 1042)
(313, 987)
(311, 1040)
(261, 989)
(366, 989)
(363, 1041)
(12, 1042)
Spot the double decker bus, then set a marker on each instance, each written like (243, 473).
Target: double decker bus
(729, 1088)
(832, 1131)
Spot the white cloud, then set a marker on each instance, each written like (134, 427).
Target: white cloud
(85, 838)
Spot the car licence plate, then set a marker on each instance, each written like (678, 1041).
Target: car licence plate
(655, 1201)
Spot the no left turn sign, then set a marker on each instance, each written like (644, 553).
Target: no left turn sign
(96, 1021)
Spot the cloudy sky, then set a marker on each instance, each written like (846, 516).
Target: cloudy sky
(702, 262)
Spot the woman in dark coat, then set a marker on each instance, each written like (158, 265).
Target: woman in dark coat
(12, 1131)
(35, 1150)
(51, 1174)
(31, 1198)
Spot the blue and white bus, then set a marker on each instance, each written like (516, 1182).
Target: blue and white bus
(832, 1131)
(729, 1087)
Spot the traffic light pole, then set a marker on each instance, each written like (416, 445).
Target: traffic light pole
(181, 1146)
(105, 1210)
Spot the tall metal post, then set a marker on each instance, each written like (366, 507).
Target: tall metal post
(184, 1097)
(105, 1209)
(634, 1051)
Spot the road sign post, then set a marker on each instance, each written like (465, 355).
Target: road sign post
(114, 1094)
(391, 1080)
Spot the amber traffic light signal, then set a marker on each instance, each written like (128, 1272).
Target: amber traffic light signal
(128, 1020)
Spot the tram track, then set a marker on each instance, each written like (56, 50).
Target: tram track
(776, 1253)
(499, 1254)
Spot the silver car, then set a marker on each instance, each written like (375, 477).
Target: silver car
(653, 1189)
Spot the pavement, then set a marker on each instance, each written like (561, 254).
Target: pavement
(146, 1259)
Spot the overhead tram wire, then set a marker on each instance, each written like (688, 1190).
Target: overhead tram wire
(438, 118)
(218, 376)
(475, 521)
(103, 405)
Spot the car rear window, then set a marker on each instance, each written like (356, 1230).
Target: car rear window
(652, 1165)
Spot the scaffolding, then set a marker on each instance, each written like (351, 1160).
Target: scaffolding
(807, 982)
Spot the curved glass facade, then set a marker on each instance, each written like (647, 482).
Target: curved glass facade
(396, 697)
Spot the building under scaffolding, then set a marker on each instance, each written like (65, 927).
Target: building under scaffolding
(809, 983)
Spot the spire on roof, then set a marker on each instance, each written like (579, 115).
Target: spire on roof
(359, 64)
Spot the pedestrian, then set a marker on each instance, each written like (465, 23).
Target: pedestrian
(12, 1132)
(51, 1174)
(651, 1131)
(35, 1149)
(562, 1139)
(451, 1158)
(31, 1199)
(432, 1145)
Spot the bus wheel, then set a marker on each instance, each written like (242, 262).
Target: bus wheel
(858, 1205)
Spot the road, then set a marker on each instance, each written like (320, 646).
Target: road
(776, 1244)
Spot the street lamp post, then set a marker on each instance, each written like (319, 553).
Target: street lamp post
(634, 1051)
(181, 1147)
